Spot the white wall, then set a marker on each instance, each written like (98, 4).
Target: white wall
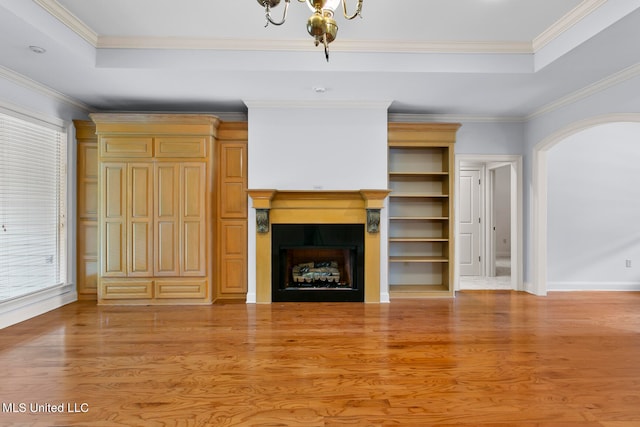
(307, 147)
(491, 137)
(330, 146)
(594, 209)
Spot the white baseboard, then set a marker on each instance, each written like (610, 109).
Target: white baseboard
(593, 286)
(528, 287)
(251, 297)
(24, 308)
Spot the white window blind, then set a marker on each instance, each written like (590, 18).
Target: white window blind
(32, 207)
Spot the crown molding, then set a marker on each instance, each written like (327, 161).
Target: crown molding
(562, 25)
(381, 46)
(70, 20)
(224, 116)
(29, 115)
(453, 118)
(610, 81)
(318, 104)
(106, 42)
(33, 85)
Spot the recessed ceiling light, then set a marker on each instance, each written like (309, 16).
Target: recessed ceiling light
(319, 89)
(37, 49)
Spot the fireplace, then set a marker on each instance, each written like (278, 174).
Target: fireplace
(299, 208)
(317, 262)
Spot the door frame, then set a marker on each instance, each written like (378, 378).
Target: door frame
(488, 160)
(491, 243)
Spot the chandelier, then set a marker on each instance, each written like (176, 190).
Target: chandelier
(321, 25)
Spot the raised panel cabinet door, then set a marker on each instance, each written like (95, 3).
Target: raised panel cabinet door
(140, 219)
(233, 271)
(167, 219)
(192, 219)
(180, 146)
(87, 180)
(87, 257)
(233, 197)
(126, 147)
(113, 219)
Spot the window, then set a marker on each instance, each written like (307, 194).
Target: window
(32, 207)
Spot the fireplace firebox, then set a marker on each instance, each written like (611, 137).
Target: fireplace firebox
(317, 262)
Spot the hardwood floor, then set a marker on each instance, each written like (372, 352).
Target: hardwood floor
(493, 358)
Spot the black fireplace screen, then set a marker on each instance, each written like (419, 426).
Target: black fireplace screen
(318, 262)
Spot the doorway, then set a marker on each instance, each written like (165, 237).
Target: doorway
(489, 222)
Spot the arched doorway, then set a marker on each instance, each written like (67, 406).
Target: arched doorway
(540, 226)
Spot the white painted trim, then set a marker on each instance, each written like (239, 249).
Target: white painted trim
(28, 83)
(353, 46)
(517, 212)
(24, 308)
(110, 42)
(594, 286)
(315, 104)
(528, 287)
(609, 81)
(432, 118)
(251, 298)
(70, 20)
(574, 16)
(539, 229)
(32, 117)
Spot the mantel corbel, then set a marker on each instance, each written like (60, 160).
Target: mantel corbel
(262, 205)
(374, 202)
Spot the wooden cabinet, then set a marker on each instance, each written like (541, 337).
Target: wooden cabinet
(180, 227)
(126, 219)
(87, 209)
(156, 208)
(421, 215)
(232, 202)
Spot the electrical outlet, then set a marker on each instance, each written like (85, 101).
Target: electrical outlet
(628, 263)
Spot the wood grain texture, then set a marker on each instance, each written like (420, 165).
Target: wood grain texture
(481, 359)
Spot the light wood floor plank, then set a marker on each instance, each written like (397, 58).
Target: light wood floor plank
(494, 358)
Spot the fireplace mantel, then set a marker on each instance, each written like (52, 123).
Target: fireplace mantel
(318, 207)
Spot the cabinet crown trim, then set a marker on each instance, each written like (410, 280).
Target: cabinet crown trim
(157, 124)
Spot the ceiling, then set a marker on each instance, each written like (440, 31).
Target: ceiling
(484, 58)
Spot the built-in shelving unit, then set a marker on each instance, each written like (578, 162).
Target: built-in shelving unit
(421, 246)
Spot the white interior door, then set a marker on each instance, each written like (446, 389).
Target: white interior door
(469, 238)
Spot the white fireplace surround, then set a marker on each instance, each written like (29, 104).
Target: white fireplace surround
(317, 145)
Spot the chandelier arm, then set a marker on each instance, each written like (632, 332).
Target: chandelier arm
(358, 10)
(284, 15)
(326, 46)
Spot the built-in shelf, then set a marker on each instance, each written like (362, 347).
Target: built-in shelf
(419, 291)
(418, 196)
(417, 259)
(415, 239)
(419, 218)
(417, 174)
(421, 209)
